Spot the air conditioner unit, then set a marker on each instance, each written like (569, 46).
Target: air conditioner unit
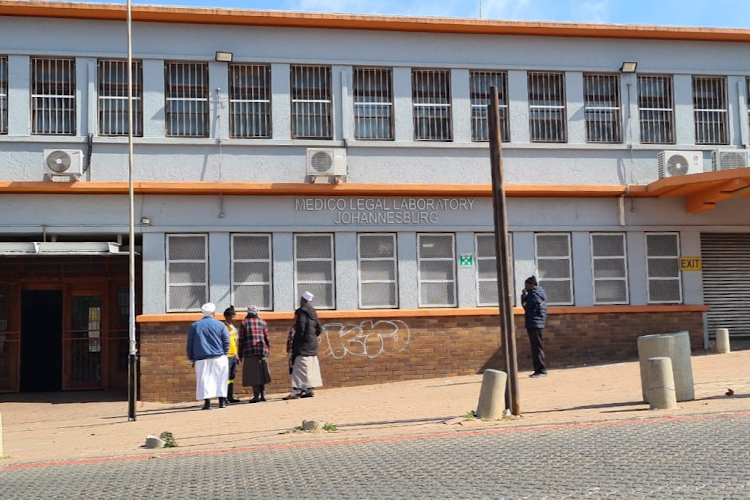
(326, 162)
(673, 163)
(725, 159)
(63, 164)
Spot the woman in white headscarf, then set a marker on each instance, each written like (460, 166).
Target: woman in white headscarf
(306, 369)
(207, 347)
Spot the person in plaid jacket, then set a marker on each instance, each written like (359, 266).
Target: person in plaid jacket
(253, 350)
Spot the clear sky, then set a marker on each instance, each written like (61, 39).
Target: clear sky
(721, 13)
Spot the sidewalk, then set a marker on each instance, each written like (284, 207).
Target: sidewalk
(87, 425)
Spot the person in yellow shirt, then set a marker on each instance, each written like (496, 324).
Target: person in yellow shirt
(229, 315)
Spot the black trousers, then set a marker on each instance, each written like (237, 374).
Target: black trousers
(537, 349)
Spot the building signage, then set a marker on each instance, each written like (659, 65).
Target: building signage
(691, 264)
(385, 211)
(466, 260)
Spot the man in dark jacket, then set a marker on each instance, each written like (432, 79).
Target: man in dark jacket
(534, 302)
(306, 369)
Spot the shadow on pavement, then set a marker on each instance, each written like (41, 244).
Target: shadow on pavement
(593, 407)
(67, 397)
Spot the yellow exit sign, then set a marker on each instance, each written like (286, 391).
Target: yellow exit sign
(691, 264)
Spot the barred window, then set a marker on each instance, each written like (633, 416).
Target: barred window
(53, 96)
(252, 268)
(373, 103)
(249, 101)
(710, 108)
(187, 272)
(437, 270)
(431, 98)
(609, 265)
(480, 83)
(311, 102)
(747, 100)
(113, 97)
(656, 109)
(663, 268)
(314, 268)
(486, 266)
(547, 115)
(3, 95)
(554, 264)
(601, 97)
(187, 93)
(378, 271)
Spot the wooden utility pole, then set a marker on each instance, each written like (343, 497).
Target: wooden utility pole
(502, 256)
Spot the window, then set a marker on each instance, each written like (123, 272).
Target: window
(53, 96)
(187, 99)
(554, 267)
(113, 97)
(3, 95)
(747, 100)
(431, 97)
(437, 270)
(249, 101)
(710, 108)
(187, 272)
(656, 109)
(547, 117)
(601, 96)
(311, 102)
(378, 271)
(486, 267)
(252, 271)
(480, 83)
(609, 264)
(373, 103)
(314, 269)
(663, 268)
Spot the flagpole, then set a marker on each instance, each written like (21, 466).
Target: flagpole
(132, 351)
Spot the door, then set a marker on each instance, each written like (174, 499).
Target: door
(41, 340)
(83, 337)
(10, 345)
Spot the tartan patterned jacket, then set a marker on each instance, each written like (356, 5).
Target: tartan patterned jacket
(253, 339)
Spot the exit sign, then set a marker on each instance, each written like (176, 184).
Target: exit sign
(691, 264)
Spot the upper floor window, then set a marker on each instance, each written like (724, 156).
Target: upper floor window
(601, 100)
(609, 264)
(479, 84)
(436, 256)
(249, 101)
(312, 113)
(656, 109)
(431, 98)
(373, 103)
(53, 96)
(314, 269)
(547, 116)
(710, 108)
(187, 99)
(378, 270)
(252, 268)
(554, 263)
(113, 97)
(3, 95)
(187, 272)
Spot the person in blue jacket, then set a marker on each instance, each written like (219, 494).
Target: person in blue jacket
(207, 347)
(534, 301)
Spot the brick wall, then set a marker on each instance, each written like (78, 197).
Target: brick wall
(360, 352)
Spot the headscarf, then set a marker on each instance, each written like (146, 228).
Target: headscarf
(208, 309)
(252, 311)
(308, 296)
(229, 311)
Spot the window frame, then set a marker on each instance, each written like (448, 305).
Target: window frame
(570, 266)
(670, 134)
(71, 97)
(420, 281)
(203, 87)
(250, 69)
(602, 110)
(234, 284)
(168, 238)
(4, 104)
(358, 71)
(703, 127)
(476, 95)
(417, 105)
(676, 234)
(479, 280)
(360, 259)
(295, 260)
(120, 114)
(309, 92)
(624, 258)
(563, 107)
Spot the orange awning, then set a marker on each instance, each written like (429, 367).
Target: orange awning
(703, 191)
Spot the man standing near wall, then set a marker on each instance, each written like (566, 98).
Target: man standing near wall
(207, 348)
(229, 315)
(534, 301)
(306, 370)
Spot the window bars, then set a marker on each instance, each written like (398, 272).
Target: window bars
(663, 268)
(436, 258)
(547, 115)
(431, 99)
(710, 109)
(249, 101)
(187, 105)
(3, 95)
(378, 270)
(554, 266)
(656, 109)
(187, 272)
(601, 96)
(480, 83)
(53, 96)
(113, 97)
(252, 271)
(486, 268)
(314, 268)
(373, 103)
(609, 264)
(312, 110)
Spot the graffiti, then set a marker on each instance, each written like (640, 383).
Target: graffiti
(369, 339)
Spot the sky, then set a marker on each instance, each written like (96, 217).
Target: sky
(706, 13)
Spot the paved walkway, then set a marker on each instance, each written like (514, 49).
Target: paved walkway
(87, 425)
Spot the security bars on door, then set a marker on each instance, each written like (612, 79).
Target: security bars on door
(547, 116)
(601, 98)
(436, 258)
(554, 266)
(377, 263)
(314, 268)
(431, 98)
(249, 101)
(53, 96)
(486, 266)
(609, 265)
(663, 268)
(3, 95)
(373, 103)
(479, 84)
(187, 99)
(187, 272)
(656, 109)
(113, 98)
(710, 108)
(312, 111)
(252, 271)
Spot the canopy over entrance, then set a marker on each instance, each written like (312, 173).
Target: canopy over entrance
(703, 191)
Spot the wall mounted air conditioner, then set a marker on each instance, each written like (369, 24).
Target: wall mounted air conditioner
(63, 165)
(725, 159)
(326, 162)
(674, 163)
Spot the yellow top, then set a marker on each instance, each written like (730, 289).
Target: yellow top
(232, 341)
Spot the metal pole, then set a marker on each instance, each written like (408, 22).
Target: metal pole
(133, 351)
(504, 280)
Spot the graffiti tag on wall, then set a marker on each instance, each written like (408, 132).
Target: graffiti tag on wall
(368, 339)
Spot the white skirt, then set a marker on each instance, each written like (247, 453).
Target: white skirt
(306, 373)
(211, 378)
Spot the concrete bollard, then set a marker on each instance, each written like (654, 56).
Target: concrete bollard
(661, 391)
(676, 347)
(492, 395)
(722, 341)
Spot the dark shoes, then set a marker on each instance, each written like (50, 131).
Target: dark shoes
(230, 395)
(256, 399)
(222, 402)
(538, 375)
(307, 394)
(206, 404)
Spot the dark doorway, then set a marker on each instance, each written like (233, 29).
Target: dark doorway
(41, 340)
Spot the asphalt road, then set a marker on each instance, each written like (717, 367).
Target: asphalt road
(690, 458)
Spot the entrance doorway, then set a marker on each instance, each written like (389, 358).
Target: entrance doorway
(41, 340)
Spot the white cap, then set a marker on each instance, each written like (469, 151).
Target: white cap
(208, 309)
(308, 296)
